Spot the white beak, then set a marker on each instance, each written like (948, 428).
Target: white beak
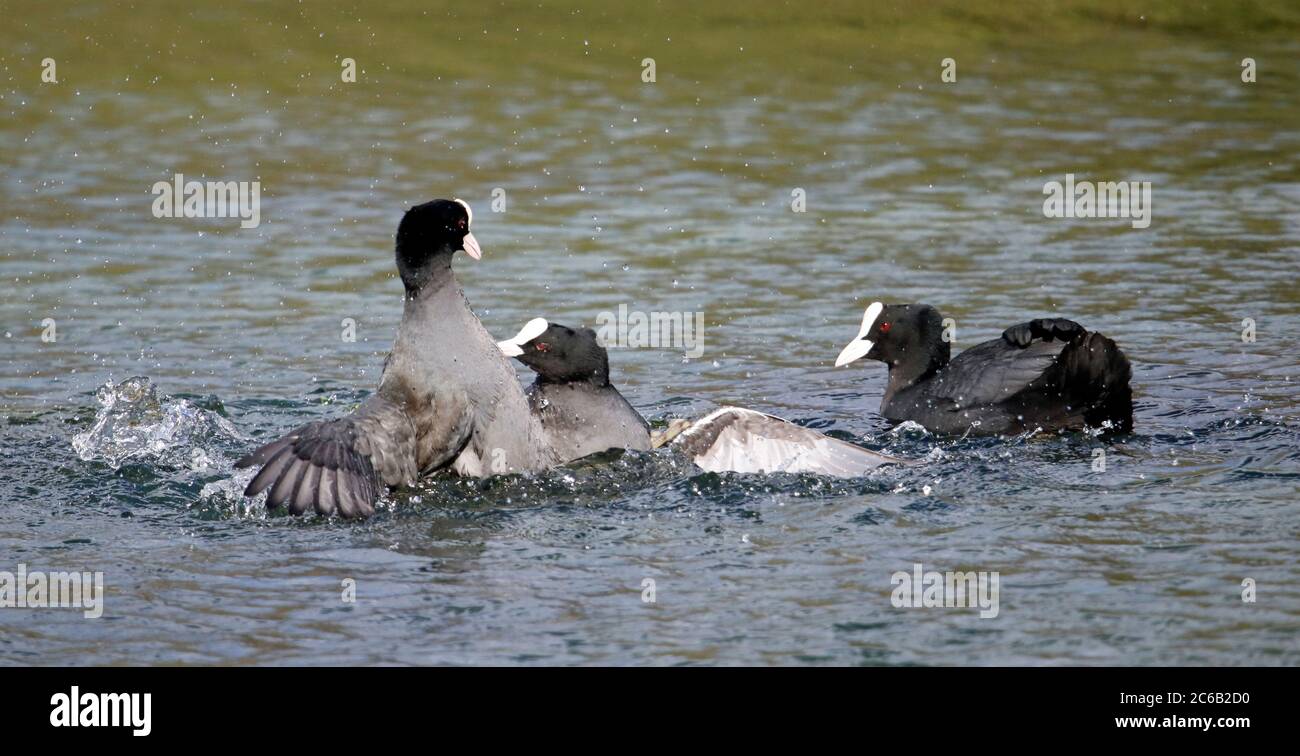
(470, 245)
(856, 349)
(859, 347)
(531, 330)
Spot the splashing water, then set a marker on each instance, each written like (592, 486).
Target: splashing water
(133, 424)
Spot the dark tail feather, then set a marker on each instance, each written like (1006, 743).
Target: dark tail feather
(1097, 375)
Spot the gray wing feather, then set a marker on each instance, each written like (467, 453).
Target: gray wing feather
(271, 469)
(996, 370)
(733, 439)
(337, 465)
(386, 435)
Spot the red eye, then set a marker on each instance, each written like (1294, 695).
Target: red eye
(542, 346)
(460, 225)
(884, 328)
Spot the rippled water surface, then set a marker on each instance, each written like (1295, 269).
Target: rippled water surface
(665, 196)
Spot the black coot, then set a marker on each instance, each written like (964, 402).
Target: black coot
(447, 398)
(580, 410)
(1048, 373)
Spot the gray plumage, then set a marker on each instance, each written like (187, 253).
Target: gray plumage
(469, 410)
(581, 412)
(447, 397)
(337, 466)
(581, 419)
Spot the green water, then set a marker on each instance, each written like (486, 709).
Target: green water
(672, 195)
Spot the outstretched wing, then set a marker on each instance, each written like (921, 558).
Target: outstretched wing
(733, 439)
(337, 466)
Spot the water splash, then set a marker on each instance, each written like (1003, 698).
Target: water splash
(132, 424)
(909, 429)
(227, 494)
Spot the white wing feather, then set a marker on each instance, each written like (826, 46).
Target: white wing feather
(747, 441)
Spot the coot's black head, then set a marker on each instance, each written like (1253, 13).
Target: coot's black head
(559, 354)
(429, 235)
(908, 335)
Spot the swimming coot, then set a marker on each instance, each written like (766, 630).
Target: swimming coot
(1048, 373)
(578, 407)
